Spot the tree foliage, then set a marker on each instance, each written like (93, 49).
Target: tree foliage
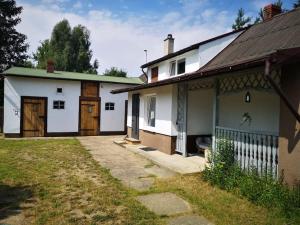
(115, 72)
(240, 21)
(68, 48)
(12, 43)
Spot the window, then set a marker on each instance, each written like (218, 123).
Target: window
(109, 106)
(59, 90)
(181, 66)
(58, 105)
(151, 105)
(172, 68)
(154, 74)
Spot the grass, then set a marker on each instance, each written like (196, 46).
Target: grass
(219, 206)
(57, 182)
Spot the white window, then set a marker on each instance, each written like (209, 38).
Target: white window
(109, 106)
(172, 68)
(58, 104)
(181, 66)
(151, 105)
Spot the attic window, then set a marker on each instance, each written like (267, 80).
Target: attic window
(172, 68)
(109, 106)
(181, 66)
(59, 90)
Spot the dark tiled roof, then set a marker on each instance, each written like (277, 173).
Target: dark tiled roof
(279, 33)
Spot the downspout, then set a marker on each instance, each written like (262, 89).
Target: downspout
(279, 91)
(145, 74)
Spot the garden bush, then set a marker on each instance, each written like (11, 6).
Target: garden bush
(262, 190)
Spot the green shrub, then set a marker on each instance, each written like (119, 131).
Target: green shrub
(262, 190)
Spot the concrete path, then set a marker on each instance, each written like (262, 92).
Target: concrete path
(132, 169)
(175, 162)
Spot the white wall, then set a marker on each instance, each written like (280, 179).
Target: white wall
(112, 120)
(164, 109)
(196, 58)
(58, 120)
(263, 109)
(200, 112)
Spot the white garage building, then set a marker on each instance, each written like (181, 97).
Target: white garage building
(55, 103)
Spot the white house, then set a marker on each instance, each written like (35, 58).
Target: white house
(241, 87)
(55, 103)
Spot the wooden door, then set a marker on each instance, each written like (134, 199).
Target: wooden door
(34, 116)
(89, 117)
(135, 116)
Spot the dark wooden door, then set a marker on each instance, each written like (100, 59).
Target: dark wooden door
(89, 117)
(135, 116)
(34, 116)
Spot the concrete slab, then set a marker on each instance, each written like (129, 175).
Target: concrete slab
(131, 169)
(189, 220)
(164, 203)
(175, 162)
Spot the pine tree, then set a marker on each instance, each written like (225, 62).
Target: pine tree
(115, 72)
(240, 20)
(12, 43)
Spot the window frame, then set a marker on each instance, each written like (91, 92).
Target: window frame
(109, 106)
(170, 68)
(58, 104)
(151, 123)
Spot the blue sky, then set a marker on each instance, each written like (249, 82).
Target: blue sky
(122, 29)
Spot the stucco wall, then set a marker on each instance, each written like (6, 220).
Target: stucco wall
(196, 58)
(58, 120)
(112, 120)
(200, 112)
(263, 109)
(289, 135)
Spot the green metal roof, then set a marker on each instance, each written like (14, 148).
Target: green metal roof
(40, 73)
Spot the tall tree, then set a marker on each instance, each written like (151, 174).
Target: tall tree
(115, 72)
(240, 21)
(68, 48)
(12, 43)
(297, 4)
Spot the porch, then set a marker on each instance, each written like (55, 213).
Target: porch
(238, 108)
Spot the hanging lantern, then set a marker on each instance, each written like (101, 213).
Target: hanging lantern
(247, 97)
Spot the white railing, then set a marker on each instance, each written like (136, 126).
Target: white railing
(252, 149)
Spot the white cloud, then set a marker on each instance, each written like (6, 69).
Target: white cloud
(121, 42)
(77, 5)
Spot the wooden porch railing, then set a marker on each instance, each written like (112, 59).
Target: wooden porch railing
(252, 149)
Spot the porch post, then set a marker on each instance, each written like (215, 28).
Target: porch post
(215, 113)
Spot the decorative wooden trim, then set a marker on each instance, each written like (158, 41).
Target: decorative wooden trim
(12, 135)
(22, 112)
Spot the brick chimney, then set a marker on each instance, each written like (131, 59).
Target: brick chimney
(169, 45)
(270, 11)
(50, 66)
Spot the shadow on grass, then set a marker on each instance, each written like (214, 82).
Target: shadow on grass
(11, 199)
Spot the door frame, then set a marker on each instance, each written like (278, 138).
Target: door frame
(98, 99)
(138, 117)
(22, 113)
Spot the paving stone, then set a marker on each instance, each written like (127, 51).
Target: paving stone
(164, 203)
(189, 220)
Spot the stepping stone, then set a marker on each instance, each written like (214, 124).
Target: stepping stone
(164, 203)
(189, 220)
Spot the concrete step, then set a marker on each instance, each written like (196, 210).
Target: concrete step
(132, 141)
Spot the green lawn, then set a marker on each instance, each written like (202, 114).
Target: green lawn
(58, 182)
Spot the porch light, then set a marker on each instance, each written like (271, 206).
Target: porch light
(248, 97)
